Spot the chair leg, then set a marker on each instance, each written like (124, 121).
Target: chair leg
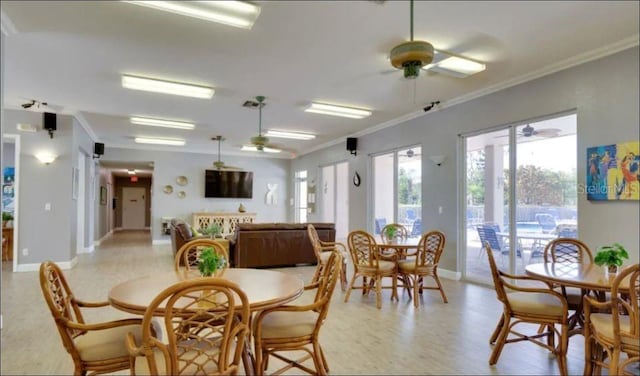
(444, 297)
(324, 360)
(588, 352)
(378, 281)
(317, 359)
(394, 287)
(416, 288)
(502, 338)
(562, 351)
(350, 287)
(343, 275)
(496, 331)
(613, 362)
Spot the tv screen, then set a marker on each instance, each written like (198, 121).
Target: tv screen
(228, 184)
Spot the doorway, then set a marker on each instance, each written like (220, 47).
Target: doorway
(525, 174)
(79, 181)
(10, 196)
(133, 208)
(335, 197)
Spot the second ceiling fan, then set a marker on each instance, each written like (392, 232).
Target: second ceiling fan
(260, 142)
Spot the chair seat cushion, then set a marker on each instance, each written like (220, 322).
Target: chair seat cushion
(384, 266)
(602, 325)
(281, 324)
(409, 266)
(324, 256)
(107, 343)
(535, 303)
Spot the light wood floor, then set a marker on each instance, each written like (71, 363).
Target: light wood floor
(357, 338)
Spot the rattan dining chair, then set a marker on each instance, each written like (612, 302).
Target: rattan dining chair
(398, 229)
(614, 333)
(367, 263)
(297, 327)
(207, 322)
(322, 251)
(187, 256)
(569, 250)
(95, 347)
(529, 305)
(425, 264)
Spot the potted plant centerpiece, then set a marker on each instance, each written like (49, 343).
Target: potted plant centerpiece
(211, 263)
(390, 232)
(611, 256)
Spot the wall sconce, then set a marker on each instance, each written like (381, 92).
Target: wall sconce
(437, 159)
(46, 158)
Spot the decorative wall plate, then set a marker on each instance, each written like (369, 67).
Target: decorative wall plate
(168, 189)
(181, 194)
(356, 179)
(182, 180)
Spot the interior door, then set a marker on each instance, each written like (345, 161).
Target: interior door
(133, 208)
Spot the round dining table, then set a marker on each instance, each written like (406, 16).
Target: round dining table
(584, 276)
(264, 288)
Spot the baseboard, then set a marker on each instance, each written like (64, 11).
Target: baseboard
(88, 249)
(99, 241)
(64, 265)
(449, 274)
(161, 241)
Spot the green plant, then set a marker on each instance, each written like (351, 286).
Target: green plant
(611, 255)
(210, 261)
(211, 230)
(390, 232)
(6, 216)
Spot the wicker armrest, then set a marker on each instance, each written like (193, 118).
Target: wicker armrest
(103, 325)
(590, 301)
(84, 304)
(525, 278)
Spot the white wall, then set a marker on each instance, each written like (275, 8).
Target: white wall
(167, 166)
(604, 93)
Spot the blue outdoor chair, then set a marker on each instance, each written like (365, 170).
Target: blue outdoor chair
(488, 233)
(568, 232)
(380, 223)
(416, 228)
(547, 222)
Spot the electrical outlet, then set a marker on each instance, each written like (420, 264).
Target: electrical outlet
(439, 209)
(25, 252)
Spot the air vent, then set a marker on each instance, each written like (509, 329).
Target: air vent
(252, 104)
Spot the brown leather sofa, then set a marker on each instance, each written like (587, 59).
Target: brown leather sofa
(181, 234)
(261, 245)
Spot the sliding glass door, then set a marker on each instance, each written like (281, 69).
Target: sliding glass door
(300, 204)
(397, 189)
(543, 194)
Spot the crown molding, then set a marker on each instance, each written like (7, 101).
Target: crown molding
(6, 25)
(588, 56)
(180, 149)
(85, 125)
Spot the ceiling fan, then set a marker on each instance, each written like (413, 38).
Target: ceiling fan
(529, 131)
(261, 143)
(410, 154)
(415, 55)
(219, 164)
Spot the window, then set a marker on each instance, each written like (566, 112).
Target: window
(301, 196)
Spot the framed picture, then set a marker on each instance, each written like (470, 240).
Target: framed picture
(103, 195)
(613, 172)
(75, 181)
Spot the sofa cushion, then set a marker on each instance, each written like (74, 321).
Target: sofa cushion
(282, 226)
(184, 230)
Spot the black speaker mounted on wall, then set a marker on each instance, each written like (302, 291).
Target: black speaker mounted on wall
(352, 145)
(98, 150)
(49, 122)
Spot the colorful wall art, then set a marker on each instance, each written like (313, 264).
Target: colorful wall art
(613, 172)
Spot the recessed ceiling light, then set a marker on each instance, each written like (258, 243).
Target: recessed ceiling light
(292, 135)
(233, 13)
(264, 149)
(166, 87)
(161, 123)
(159, 141)
(456, 66)
(333, 110)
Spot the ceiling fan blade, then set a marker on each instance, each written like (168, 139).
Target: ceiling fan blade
(548, 132)
(389, 71)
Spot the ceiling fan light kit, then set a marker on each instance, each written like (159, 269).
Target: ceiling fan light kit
(166, 87)
(159, 141)
(232, 13)
(264, 149)
(335, 110)
(411, 56)
(161, 123)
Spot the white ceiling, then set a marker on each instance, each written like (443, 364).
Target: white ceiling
(72, 54)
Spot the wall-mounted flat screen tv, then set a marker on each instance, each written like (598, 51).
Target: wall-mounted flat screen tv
(228, 184)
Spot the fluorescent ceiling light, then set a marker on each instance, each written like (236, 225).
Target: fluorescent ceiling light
(159, 141)
(292, 135)
(330, 109)
(456, 66)
(131, 172)
(166, 87)
(161, 123)
(254, 148)
(233, 13)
